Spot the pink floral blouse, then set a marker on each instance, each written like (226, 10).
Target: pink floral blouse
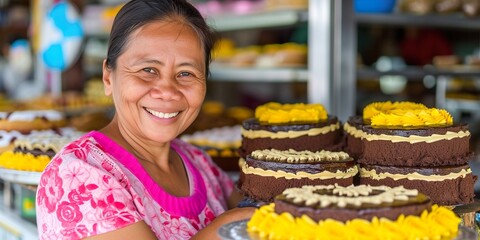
(95, 186)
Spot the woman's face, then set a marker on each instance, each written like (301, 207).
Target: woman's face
(159, 83)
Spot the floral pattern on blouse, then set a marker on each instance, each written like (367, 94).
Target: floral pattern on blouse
(93, 186)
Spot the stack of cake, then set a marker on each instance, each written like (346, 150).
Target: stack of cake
(354, 212)
(291, 145)
(410, 145)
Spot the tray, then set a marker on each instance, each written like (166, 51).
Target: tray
(21, 177)
(238, 231)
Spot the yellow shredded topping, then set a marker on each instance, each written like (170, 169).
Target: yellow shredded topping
(406, 114)
(407, 118)
(24, 162)
(439, 223)
(276, 113)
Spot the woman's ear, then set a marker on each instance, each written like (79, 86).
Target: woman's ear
(106, 78)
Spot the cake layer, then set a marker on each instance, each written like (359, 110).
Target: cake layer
(436, 146)
(313, 168)
(457, 181)
(313, 137)
(353, 132)
(263, 180)
(351, 202)
(265, 188)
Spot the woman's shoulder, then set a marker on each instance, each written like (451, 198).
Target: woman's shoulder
(78, 151)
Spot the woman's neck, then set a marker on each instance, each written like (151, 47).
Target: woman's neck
(153, 152)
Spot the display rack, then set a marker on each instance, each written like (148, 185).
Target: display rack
(413, 73)
(456, 21)
(330, 46)
(258, 74)
(264, 19)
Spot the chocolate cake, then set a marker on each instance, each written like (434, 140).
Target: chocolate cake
(291, 126)
(266, 173)
(445, 145)
(351, 202)
(353, 212)
(416, 147)
(353, 136)
(325, 135)
(458, 181)
(33, 152)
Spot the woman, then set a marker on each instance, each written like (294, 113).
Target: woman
(134, 178)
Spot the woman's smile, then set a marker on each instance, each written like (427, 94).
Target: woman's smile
(161, 114)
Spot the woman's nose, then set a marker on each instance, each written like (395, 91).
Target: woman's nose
(165, 89)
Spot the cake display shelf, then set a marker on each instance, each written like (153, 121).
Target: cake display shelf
(222, 73)
(238, 231)
(267, 19)
(20, 177)
(431, 20)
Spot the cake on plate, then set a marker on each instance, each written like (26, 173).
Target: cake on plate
(353, 212)
(410, 145)
(266, 173)
(291, 126)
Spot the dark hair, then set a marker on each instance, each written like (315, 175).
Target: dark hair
(137, 13)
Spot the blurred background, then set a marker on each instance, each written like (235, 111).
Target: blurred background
(343, 54)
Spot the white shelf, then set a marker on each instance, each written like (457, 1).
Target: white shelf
(229, 74)
(266, 19)
(456, 21)
(20, 177)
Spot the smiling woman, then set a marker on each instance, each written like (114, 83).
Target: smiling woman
(135, 178)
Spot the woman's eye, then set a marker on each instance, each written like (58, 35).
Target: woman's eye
(184, 74)
(149, 70)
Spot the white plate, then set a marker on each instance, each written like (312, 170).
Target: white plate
(238, 231)
(21, 177)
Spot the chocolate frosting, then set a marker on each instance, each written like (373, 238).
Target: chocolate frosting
(300, 167)
(253, 124)
(419, 131)
(438, 170)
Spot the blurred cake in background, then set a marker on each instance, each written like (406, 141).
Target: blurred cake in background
(33, 151)
(220, 143)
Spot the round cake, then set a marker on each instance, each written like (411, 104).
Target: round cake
(353, 136)
(33, 152)
(353, 212)
(27, 121)
(266, 173)
(407, 144)
(291, 126)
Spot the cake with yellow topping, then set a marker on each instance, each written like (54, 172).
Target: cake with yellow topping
(410, 145)
(33, 152)
(266, 173)
(353, 212)
(353, 126)
(16, 124)
(291, 126)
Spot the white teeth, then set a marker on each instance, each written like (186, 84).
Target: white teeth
(162, 115)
